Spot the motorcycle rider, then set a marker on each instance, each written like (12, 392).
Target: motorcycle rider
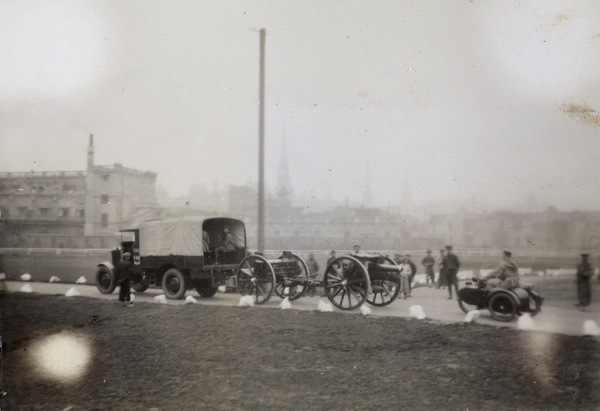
(505, 276)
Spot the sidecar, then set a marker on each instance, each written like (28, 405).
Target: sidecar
(504, 305)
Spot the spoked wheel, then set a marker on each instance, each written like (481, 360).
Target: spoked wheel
(384, 291)
(299, 269)
(502, 307)
(173, 284)
(346, 282)
(255, 276)
(106, 281)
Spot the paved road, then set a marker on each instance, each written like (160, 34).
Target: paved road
(436, 306)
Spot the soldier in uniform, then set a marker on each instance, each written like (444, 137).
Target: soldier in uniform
(123, 274)
(506, 275)
(429, 262)
(451, 266)
(584, 275)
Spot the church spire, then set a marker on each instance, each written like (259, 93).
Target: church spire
(90, 154)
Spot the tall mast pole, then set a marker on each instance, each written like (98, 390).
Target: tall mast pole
(261, 146)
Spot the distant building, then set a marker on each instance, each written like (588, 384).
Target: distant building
(74, 208)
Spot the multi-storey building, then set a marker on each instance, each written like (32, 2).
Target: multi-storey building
(74, 208)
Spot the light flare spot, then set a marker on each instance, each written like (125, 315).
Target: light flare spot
(62, 357)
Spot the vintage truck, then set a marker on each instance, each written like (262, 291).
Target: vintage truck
(179, 254)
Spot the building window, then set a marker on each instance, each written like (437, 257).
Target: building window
(64, 212)
(82, 213)
(4, 213)
(104, 199)
(105, 177)
(104, 223)
(44, 212)
(22, 211)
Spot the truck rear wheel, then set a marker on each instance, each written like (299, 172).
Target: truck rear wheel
(173, 284)
(106, 282)
(205, 288)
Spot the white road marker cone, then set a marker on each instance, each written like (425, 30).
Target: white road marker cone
(365, 309)
(324, 306)
(161, 299)
(81, 280)
(26, 277)
(590, 328)
(285, 304)
(26, 289)
(416, 311)
(72, 292)
(54, 279)
(246, 301)
(526, 322)
(190, 300)
(472, 316)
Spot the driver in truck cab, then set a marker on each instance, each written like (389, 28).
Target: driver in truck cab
(505, 276)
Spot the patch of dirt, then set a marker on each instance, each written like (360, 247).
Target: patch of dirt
(165, 357)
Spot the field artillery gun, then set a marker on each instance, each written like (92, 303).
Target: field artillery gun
(349, 280)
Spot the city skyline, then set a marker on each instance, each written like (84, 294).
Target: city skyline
(461, 101)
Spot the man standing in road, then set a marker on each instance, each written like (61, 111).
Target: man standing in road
(429, 262)
(413, 272)
(451, 266)
(584, 275)
(123, 274)
(332, 257)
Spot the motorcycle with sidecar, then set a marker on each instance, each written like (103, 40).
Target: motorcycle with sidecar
(504, 304)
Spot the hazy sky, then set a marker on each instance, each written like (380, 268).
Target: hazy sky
(457, 99)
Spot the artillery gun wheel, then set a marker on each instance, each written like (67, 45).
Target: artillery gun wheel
(205, 288)
(141, 286)
(346, 282)
(294, 291)
(255, 276)
(106, 281)
(173, 284)
(502, 307)
(384, 291)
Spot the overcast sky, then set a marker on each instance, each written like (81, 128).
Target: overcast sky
(455, 99)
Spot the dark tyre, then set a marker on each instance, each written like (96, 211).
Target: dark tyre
(502, 307)
(296, 269)
(173, 284)
(256, 277)
(205, 288)
(346, 283)
(141, 286)
(106, 281)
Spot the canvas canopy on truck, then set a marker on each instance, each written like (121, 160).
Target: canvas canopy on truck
(183, 236)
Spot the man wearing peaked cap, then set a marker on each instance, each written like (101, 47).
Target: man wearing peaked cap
(506, 275)
(451, 266)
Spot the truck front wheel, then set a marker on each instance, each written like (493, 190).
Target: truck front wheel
(173, 284)
(106, 281)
